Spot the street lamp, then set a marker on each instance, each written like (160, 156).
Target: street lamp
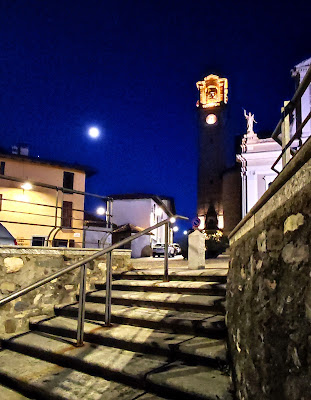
(26, 186)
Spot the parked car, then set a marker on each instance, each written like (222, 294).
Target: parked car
(159, 249)
(177, 249)
(5, 237)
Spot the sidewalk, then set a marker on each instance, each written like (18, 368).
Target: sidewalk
(179, 265)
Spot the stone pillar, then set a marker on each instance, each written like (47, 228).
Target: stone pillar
(196, 250)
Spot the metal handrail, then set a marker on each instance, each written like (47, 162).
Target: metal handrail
(293, 104)
(293, 138)
(83, 263)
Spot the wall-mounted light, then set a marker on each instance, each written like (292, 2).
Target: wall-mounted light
(26, 186)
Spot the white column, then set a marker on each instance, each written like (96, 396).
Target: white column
(196, 250)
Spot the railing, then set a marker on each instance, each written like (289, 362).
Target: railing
(291, 111)
(83, 265)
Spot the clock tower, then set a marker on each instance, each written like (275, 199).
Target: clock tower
(212, 111)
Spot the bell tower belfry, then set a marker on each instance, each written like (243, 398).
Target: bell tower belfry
(212, 111)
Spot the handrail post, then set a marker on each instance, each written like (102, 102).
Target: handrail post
(285, 129)
(165, 277)
(81, 312)
(108, 288)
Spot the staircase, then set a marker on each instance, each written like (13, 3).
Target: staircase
(167, 341)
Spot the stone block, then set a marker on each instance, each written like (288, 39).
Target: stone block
(293, 222)
(48, 299)
(20, 306)
(308, 304)
(262, 242)
(37, 299)
(10, 326)
(13, 264)
(7, 287)
(196, 250)
(294, 254)
(102, 267)
(274, 240)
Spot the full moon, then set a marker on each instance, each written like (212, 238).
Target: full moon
(94, 132)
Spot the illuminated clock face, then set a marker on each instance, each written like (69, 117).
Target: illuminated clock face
(211, 119)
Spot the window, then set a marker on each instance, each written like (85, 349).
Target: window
(68, 180)
(67, 214)
(38, 241)
(2, 167)
(60, 242)
(0, 202)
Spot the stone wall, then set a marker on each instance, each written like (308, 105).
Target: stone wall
(269, 295)
(20, 266)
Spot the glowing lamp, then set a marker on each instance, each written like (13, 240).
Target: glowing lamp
(26, 186)
(175, 229)
(172, 220)
(211, 119)
(185, 232)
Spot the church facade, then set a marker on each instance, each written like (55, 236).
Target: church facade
(258, 155)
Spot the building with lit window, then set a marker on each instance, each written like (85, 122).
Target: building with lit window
(39, 200)
(134, 212)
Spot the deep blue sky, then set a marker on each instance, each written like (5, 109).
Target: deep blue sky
(130, 67)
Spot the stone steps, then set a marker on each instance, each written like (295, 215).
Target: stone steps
(181, 287)
(146, 372)
(167, 339)
(175, 301)
(212, 275)
(10, 394)
(43, 380)
(175, 321)
(191, 348)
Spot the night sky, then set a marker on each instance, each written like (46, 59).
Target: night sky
(130, 68)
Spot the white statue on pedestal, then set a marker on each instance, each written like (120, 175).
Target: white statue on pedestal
(250, 122)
